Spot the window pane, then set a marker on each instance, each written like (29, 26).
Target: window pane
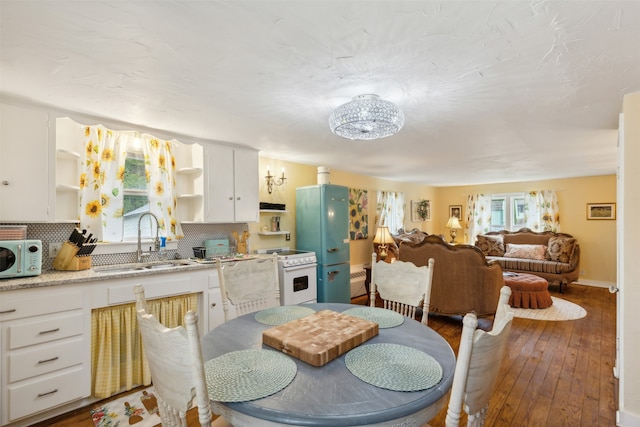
(497, 214)
(518, 214)
(136, 201)
(134, 206)
(135, 177)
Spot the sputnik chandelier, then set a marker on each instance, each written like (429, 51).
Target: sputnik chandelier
(366, 117)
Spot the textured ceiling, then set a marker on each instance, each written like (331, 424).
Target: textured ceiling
(491, 91)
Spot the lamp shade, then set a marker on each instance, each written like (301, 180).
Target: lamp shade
(382, 236)
(453, 223)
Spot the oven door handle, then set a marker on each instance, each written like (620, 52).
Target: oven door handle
(299, 267)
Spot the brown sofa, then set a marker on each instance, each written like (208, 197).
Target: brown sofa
(552, 256)
(463, 280)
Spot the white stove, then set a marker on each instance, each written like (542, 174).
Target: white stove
(298, 275)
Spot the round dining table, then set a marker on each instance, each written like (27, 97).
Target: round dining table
(330, 395)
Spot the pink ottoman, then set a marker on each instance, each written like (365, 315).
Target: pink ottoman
(527, 290)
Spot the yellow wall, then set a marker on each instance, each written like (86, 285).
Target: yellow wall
(301, 175)
(597, 238)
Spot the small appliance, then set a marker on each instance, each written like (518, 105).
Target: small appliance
(20, 258)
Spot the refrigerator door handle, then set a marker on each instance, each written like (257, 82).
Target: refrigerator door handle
(331, 250)
(333, 273)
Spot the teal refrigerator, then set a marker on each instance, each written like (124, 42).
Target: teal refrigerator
(322, 226)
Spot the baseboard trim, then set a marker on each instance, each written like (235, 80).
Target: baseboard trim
(596, 283)
(625, 419)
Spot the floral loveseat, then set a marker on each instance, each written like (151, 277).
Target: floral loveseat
(552, 256)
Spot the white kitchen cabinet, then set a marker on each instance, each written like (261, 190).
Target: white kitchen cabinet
(46, 345)
(232, 184)
(24, 164)
(214, 301)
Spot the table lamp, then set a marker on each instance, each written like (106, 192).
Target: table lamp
(382, 238)
(453, 225)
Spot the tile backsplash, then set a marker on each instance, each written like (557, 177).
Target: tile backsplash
(194, 235)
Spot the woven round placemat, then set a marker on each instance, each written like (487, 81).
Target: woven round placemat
(244, 375)
(394, 367)
(383, 317)
(280, 315)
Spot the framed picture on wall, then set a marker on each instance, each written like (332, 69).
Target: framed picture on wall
(601, 211)
(420, 210)
(455, 210)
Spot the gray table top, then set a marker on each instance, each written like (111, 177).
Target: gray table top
(330, 395)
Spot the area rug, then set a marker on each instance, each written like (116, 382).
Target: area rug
(560, 310)
(139, 409)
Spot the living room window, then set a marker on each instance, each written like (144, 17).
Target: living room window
(507, 211)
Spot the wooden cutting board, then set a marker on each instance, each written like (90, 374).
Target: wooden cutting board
(320, 337)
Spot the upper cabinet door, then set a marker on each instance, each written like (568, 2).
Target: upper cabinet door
(219, 184)
(25, 186)
(246, 182)
(232, 185)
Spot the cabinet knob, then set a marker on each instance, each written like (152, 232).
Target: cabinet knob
(213, 304)
(5, 182)
(238, 198)
(230, 197)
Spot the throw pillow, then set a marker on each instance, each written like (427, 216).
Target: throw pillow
(525, 251)
(561, 248)
(491, 245)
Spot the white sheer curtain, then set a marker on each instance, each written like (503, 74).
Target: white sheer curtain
(390, 210)
(478, 216)
(541, 211)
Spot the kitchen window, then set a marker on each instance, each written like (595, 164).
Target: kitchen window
(124, 175)
(135, 197)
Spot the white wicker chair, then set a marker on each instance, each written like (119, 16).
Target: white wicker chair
(176, 366)
(402, 286)
(249, 285)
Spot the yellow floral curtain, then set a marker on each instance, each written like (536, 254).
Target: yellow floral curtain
(118, 362)
(478, 216)
(161, 175)
(102, 182)
(390, 210)
(541, 211)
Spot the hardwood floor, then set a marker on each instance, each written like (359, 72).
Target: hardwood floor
(554, 373)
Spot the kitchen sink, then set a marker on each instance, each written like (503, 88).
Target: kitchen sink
(160, 265)
(128, 268)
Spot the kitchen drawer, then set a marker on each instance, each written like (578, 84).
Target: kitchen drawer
(26, 303)
(45, 329)
(156, 288)
(29, 397)
(45, 358)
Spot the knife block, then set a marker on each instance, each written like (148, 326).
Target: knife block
(67, 260)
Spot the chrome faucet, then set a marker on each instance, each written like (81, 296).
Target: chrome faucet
(156, 244)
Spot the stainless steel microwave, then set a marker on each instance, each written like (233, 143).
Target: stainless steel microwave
(19, 258)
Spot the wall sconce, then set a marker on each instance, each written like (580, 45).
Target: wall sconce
(383, 238)
(453, 225)
(272, 180)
